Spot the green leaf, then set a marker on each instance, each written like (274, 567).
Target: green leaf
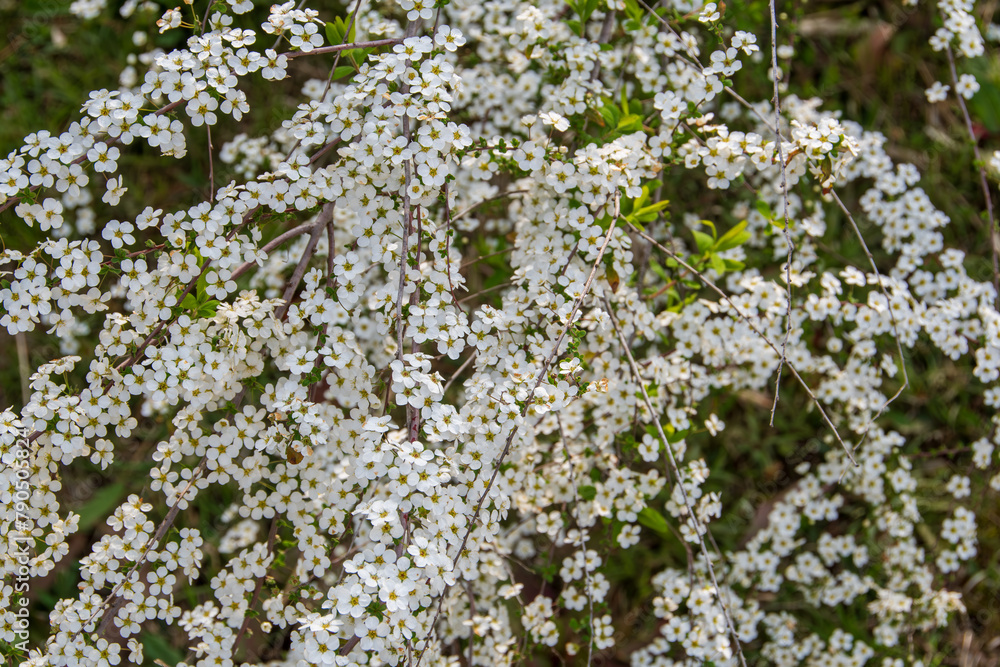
(653, 520)
(630, 123)
(587, 492)
(659, 270)
(633, 10)
(337, 32)
(734, 238)
(643, 198)
(704, 241)
(332, 36)
(587, 8)
(189, 302)
(717, 263)
(764, 209)
(208, 309)
(611, 114)
(342, 71)
(649, 213)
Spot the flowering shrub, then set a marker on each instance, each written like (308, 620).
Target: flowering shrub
(447, 346)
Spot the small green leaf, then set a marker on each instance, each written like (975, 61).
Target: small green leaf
(634, 11)
(734, 238)
(630, 122)
(653, 520)
(704, 241)
(659, 270)
(189, 302)
(332, 36)
(208, 309)
(350, 33)
(717, 263)
(649, 213)
(764, 209)
(342, 71)
(611, 114)
(588, 492)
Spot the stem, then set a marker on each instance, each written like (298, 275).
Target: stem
(784, 194)
(343, 47)
(983, 182)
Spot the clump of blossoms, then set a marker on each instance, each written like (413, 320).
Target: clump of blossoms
(408, 452)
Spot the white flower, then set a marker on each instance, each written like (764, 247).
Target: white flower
(938, 92)
(967, 86)
(449, 38)
(709, 13)
(714, 424)
(560, 123)
(114, 191)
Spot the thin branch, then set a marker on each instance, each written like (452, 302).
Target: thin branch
(454, 376)
(343, 47)
(211, 166)
(753, 327)
(784, 194)
(300, 270)
(983, 182)
(542, 373)
(607, 28)
(486, 201)
(161, 531)
(277, 241)
(83, 158)
(272, 534)
(892, 317)
(576, 515)
(695, 523)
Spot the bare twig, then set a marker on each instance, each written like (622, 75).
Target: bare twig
(274, 243)
(542, 373)
(116, 601)
(695, 523)
(293, 283)
(272, 534)
(779, 150)
(343, 47)
(892, 317)
(753, 327)
(984, 183)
